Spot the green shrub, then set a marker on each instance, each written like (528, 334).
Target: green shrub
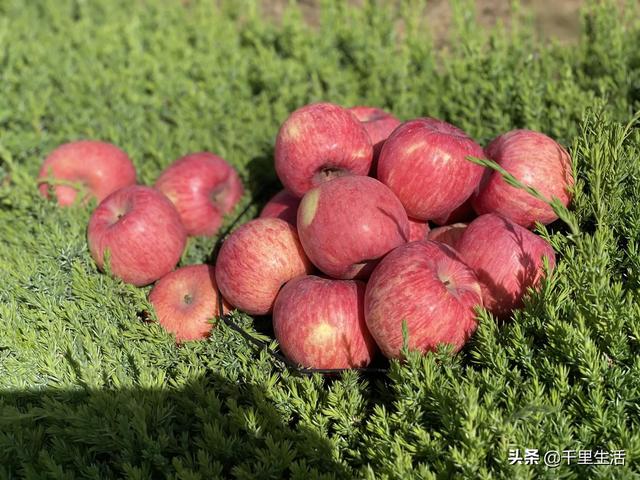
(90, 385)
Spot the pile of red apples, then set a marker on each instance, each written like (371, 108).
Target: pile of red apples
(385, 232)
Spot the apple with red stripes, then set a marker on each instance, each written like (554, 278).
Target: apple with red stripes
(319, 142)
(88, 168)
(319, 323)
(141, 231)
(204, 188)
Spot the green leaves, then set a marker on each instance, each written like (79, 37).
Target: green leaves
(92, 387)
(560, 210)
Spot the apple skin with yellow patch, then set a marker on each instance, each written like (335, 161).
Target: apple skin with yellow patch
(348, 224)
(283, 205)
(319, 323)
(204, 188)
(537, 161)
(256, 260)
(98, 167)
(186, 300)
(427, 285)
(319, 142)
(379, 124)
(424, 163)
(507, 258)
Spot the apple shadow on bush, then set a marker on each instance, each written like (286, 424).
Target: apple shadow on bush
(264, 326)
(260, 184)
(204, 426)
(261, 180)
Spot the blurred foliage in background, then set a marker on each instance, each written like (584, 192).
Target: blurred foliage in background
(90, 385)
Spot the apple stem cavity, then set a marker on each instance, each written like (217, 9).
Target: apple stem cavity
(448, 283)
(325, 174)
(218, 194)
(120, 213)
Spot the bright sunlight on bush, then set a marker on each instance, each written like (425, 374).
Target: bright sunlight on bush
(92, 387)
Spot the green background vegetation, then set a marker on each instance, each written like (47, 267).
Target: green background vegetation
(91, 386)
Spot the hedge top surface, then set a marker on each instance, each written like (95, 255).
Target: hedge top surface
(92, 387)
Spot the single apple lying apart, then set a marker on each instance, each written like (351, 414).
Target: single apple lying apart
(88, 167)
(507, 258)
(283, 205)
(256, 260)
(204, 188)
(424, 163)
(319, 142)
(186, 300)
(319, 323)
(537, 161)
(426, 285)
(346, 225)
(141, 230)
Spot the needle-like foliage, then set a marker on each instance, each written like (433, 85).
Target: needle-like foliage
(92, 387)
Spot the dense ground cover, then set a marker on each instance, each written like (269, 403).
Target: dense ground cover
(91, 386)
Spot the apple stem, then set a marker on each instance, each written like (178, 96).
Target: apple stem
(218, 194)
(327, 173)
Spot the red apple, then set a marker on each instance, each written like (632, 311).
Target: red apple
(283, 205)
(186, 300)
(507, 259)
(204, 188)
(346, 225)
(424, 163)
(379, 125)
(319, 142)
(142, 231)
(534, 159)
(418, 230)
(256, 260)
(319, 323)
(448, 234)
(86, 166)
(427, 285)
